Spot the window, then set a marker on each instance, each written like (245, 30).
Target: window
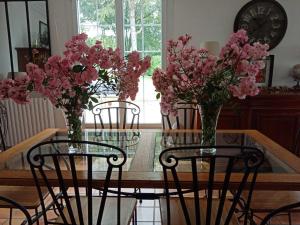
(129, 25)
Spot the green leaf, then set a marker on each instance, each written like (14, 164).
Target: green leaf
(93, 99)
(90, 105)
(77, 68)
(158, 96)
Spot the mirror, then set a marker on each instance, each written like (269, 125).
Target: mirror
(24, 35)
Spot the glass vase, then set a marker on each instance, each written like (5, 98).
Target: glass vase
(74, 131)
(209, 120)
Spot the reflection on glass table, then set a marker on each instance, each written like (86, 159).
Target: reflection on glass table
(172, 139)
(143, 147)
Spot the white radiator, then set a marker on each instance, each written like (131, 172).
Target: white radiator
(26, 120)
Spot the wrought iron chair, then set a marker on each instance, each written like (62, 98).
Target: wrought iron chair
(26, 196)
(267, 201)
(116, 114)
(79, 209)
(185, 119)
(177, 208)
(15, 205)
(283, 209)
(3, 126)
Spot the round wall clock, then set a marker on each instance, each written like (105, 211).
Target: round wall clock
(264, 20)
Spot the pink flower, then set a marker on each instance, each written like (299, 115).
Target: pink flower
(193, 75)
(69, 81)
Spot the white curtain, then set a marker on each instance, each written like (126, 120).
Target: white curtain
(63, 23)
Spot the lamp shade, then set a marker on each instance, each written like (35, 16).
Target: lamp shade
(16, 74)
(296, 72)
(213, 47)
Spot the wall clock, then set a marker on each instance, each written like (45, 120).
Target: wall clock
(264, 20)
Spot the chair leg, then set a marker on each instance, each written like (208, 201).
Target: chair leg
(10, 216)
(37, 216)
(290, 217)
(135, 216)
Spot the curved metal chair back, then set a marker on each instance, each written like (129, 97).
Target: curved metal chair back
(16, 205)
(278, 211)
(185, 119)
(80, 175)
(3, 126)
(116, 114)
(229, 159)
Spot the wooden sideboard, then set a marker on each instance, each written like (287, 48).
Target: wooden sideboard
(40, 56)
(275, 115)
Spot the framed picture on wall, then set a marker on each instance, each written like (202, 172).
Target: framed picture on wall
(264, 78)
(43, 33)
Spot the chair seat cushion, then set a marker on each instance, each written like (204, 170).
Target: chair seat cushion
(177, 217)
(25, 196)
(110, 210)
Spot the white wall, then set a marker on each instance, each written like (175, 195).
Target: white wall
(18, 30)
(37, 13)
(213, 20)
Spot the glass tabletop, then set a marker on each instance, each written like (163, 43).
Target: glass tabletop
(137, 143)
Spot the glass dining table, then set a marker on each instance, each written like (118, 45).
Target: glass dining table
(280, 170)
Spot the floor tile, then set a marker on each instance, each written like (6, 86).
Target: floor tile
(145, 214)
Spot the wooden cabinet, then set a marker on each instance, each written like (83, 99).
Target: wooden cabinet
(276, 116)
(40, 56)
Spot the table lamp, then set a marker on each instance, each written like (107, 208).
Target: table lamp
(295, 73)
(213, 47)
(16, 74)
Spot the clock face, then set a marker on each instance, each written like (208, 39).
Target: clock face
(264, 20)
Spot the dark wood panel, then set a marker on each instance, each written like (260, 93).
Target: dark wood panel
(275, 115)
(40, 56)
(278, 125)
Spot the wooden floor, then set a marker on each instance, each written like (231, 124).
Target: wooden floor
(148, 214)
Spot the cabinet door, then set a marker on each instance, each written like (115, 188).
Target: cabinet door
(279, 125)
(233, 118)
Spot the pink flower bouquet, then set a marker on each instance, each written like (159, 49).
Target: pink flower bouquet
(191, 77)
(74, 81)
(209, 81)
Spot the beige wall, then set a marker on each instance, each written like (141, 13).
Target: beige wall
(213, 20)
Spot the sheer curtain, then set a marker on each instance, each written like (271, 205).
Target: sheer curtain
(63, 25)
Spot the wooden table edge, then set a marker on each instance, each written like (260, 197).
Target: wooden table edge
(27, 144)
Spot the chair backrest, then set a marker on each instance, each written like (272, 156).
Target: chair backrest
(3, 126)
(15, 205)
(229, 159)
(116, 114)
(279, 211)
(185, 119)
(80, 174)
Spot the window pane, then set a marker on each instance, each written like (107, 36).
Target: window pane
(98, 20)
(152, 13)
(137, 38)
(155, 62)
(142, 32)
(152, 38)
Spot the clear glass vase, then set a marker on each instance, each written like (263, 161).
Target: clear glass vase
(74, 131)
(209, 120)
